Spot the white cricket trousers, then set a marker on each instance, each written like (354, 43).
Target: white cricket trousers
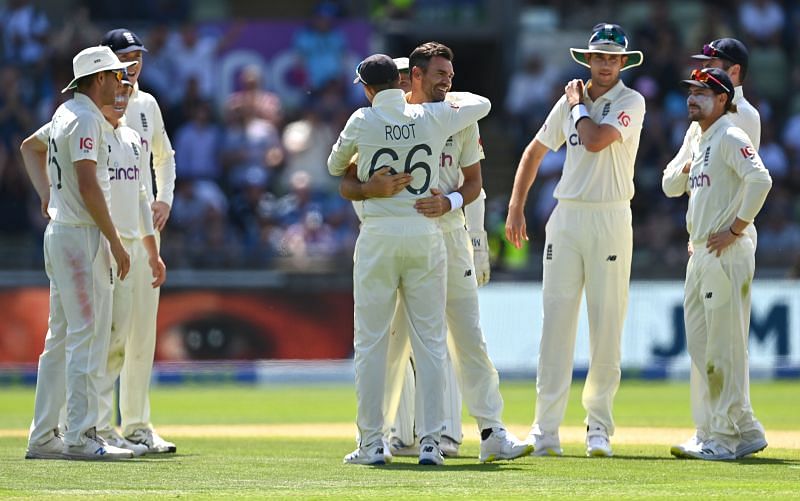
(405, 254)
(468, 366)
(717, 316)
(132, 345)
(587, 245)
(78, 264)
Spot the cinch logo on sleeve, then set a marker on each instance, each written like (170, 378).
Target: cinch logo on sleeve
(700, 181)
(86, 143)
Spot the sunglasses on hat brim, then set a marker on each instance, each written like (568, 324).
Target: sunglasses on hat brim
(703, 77)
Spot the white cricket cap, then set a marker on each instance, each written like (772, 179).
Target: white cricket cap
(94, 60)
(402, 63)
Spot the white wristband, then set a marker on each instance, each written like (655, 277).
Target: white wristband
(579, 111)
(456, 200)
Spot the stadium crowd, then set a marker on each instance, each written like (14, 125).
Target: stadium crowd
(252, 188)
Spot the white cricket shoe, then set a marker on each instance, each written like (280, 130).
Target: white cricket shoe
(544, 444)
(598, 446)
(502, 445)
(448, 446)
(373, 454)
(52, 449)
(751, 445)
(711, 450)
(398, 448)
(113, 438)
(155, 444)
(96, 449)
(429, 453)
(681, 450)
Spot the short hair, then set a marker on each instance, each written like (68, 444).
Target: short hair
(85, 82)
(726, 65)
(422, 55)
(384, 86)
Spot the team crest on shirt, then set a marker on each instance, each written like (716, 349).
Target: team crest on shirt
(606, 109)
(449, 141)
(144, 121)
(136, 150)
(707, 156)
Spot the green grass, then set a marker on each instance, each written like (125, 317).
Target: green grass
(284, 467)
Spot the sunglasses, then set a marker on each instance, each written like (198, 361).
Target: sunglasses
(120, 74)
(609, 35)
(711, 51)
(704, 77)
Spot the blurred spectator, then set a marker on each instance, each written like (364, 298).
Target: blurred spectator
(772, 153)
(529, 96)
(16, 118)
(195, 56)
(76, 33)
(308, 143)
(197, 147)
(253, 100)
(24, 32)
(762, 19)
(159, 79)
(322, 46)
(249, 142)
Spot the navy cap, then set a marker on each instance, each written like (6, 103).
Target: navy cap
(377, 69)
(122, 41)
(726, 48)
(715, 79)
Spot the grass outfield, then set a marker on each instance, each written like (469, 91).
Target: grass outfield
(213, 465)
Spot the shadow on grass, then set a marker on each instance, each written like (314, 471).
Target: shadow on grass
(483, 467)
(751, 461)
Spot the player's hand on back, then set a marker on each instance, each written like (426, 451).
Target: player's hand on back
(45, 202)
(161, 212)
(434, 205)
(383, 183)
(516, 230)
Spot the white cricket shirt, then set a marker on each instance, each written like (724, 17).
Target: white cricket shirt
(144, 116)
(406, 137)
(607, 175)
(727, 180)
(746, 118)
(129, 198)
(75, 133)
(462, 149)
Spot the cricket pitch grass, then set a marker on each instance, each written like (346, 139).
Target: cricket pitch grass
(288, 441)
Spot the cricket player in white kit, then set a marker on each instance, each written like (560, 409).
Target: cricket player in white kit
(732, 56)
(398, 248)
(727, 185)
(76, 249)
(132, 217)
(468, 364)
(588, 241)
(144, 116)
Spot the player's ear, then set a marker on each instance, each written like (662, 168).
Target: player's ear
(416, 72)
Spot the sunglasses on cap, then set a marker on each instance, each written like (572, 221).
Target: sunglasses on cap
(605, 34)
(711, 51)
(704, 77)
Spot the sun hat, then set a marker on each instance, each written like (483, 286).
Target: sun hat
(94, 60)
(608, 39)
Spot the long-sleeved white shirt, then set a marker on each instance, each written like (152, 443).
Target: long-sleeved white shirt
(606, 175)
(144, 116)
(727, 180)
(406, 137)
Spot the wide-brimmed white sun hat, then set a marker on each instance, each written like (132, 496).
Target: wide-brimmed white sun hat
(608, 39)
(94, 60)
